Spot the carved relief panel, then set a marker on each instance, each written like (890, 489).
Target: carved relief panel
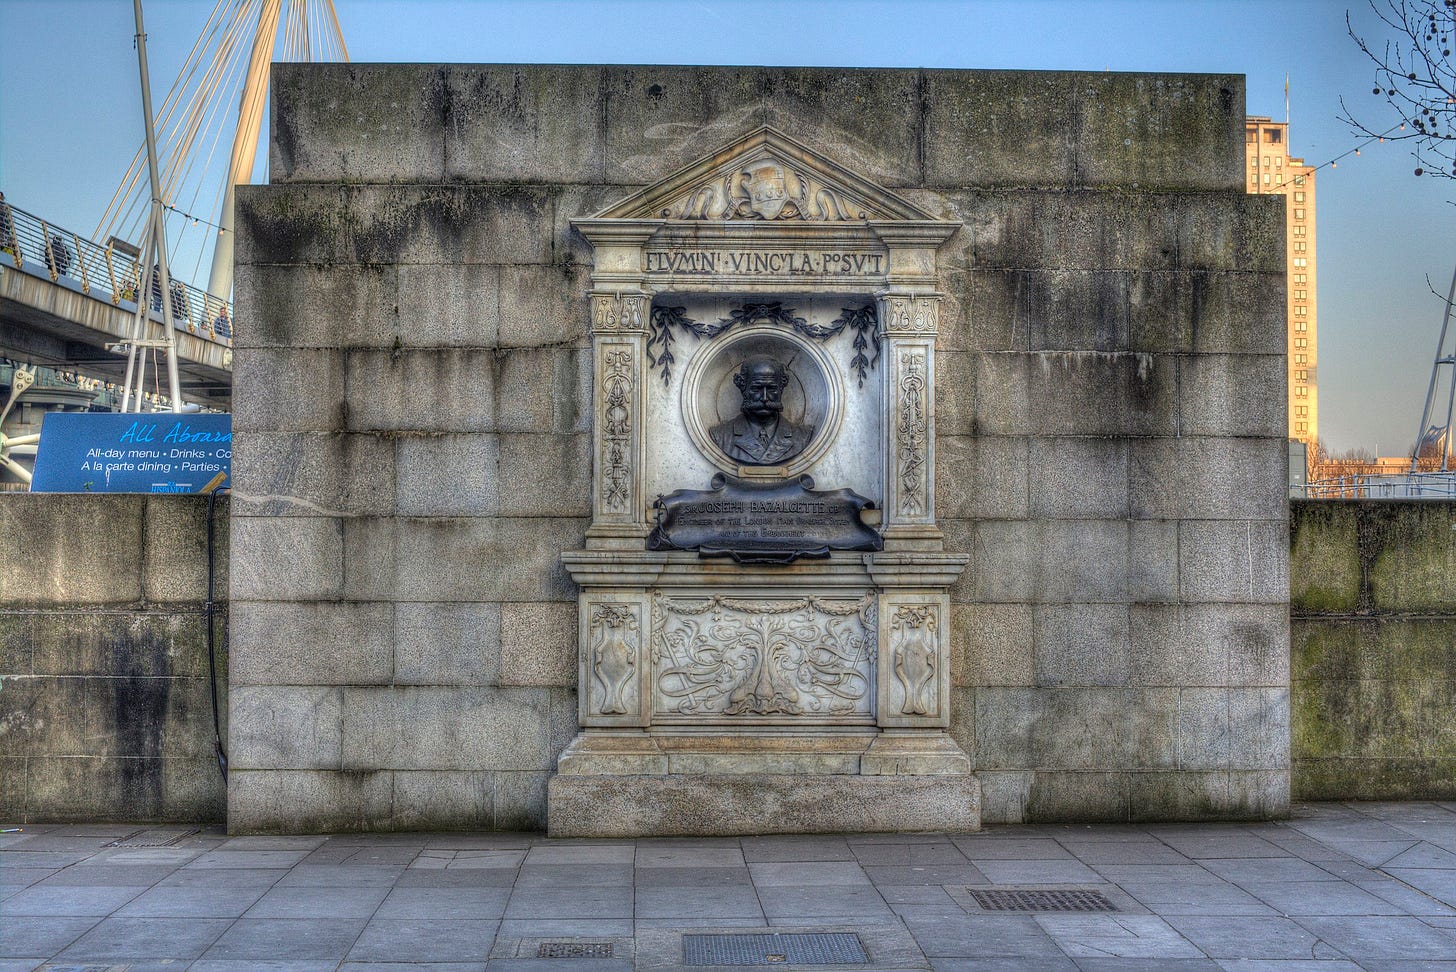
(612, 637)
(754, 659)
(914, 660)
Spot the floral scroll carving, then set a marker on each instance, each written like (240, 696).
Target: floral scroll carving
(912, 431)
(617, 400)
(764, 189)
(618, 312)
(913, 653)
(730, 656)
(615, 636)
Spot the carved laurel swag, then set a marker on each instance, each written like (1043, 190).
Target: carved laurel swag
(748, 657)
(862, 321)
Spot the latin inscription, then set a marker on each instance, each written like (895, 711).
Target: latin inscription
(783, 262)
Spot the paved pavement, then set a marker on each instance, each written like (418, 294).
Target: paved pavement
(1338, 887)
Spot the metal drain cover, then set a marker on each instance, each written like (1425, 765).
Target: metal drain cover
(153, 838)
(810, 948)
(574, 950)
(1028, 899)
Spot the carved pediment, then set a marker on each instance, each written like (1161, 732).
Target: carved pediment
(766, 177)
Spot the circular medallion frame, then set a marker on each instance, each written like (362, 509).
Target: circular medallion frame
(814, 395)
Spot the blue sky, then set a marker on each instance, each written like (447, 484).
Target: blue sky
(70, 117)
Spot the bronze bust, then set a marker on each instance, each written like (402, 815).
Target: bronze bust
(760, 435)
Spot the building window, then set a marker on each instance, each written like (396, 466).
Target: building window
(1303, 427)
(1300, 342)
(1301, 262)
(1250, 135)
(1300, 278)
(1301, 376)
(1298, 196)
(1300, 310)
(1278, 162)
(1273, 136)
(1299, 181)
(1299, 231)
(1299, 213)
(1301, 326)
(1266, 178)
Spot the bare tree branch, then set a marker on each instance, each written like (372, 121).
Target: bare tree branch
(1416, 78)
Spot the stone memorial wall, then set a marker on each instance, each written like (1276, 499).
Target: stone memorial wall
(496, 311)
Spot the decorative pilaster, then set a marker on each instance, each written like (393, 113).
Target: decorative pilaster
(909, 325)
(914, 688)
(619, 336)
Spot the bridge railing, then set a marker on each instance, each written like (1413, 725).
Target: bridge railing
(106, 272)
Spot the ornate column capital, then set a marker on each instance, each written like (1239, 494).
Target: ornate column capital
(619, 313)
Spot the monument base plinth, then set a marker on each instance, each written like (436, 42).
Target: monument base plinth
(702, 805)
(648, 784)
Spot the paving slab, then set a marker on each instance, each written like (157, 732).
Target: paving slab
(1336, 888)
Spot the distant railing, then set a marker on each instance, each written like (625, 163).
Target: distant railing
(1428, 485)
(105, 272)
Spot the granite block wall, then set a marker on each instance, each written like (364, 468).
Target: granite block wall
(105, 710)
(1373, 630)
(412, 407)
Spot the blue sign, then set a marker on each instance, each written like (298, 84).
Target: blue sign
(131, 452)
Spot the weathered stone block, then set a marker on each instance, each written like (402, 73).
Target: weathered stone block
(991, 644)
(288, 390)
(175, 554)
(864, 119)
(317, 306)
(543, 306)
(999, 128)
(981, 477)
(308, 801)
(520, 800)
(311, 643)
(524, 123)
(436, 800)
(1050, 561)
(1025, 728)
(1233, 395)
(447, 475)
(289, 224)
(1232, 560)
(445, 306)
(43, 536)
(91, 788)
(462, 559)
(1203, 729)
(1258, 794)
(1076, 393)
(1208, 478)
(12, 789)
(1004, 795)
(538, 644)
(313, 473)
(1259, 728)
(428, 390)
(1181, 131)
(1210, 645)
(133, 644)
(292, 558)
(536, 388)
(1081, 644)
(447, 644)
(1183, 795)
(1325, 574)
(1089, 230)
(1079, 478)
(1410, 557)
(558, 469)
(955, 394)
(1085, 797)
(661, 117)
(1152, 560)
(358, 123)
(286, 727)
(429, 728)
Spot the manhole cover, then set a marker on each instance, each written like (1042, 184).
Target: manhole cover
(152, 838)
(813, 948)
(574, 950)
(1025, 899)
